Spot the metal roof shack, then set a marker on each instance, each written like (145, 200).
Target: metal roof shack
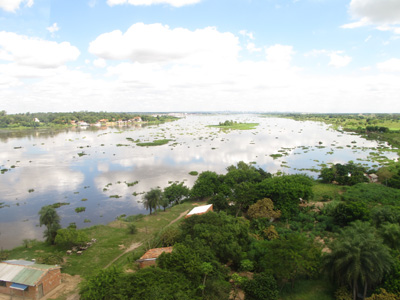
(28, 279)
(199, 210)
(150, 257)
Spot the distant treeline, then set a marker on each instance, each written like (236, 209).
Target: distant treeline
(42, 119)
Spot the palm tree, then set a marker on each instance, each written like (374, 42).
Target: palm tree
(358, 257)
(390, 232)
(152, 199)
(49, 218)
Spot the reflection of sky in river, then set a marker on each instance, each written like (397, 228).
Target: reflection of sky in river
(48, 163)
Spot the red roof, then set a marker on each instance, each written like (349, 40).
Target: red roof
(156, 252)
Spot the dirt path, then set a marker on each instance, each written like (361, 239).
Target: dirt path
(180, 216)
(131, 248)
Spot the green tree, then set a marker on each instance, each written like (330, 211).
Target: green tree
(345, 213)
(286, 191)
(175, 193)
(358, 258)
(288, 258)
(206, 185)
(49, 218)
(390, 233)
(101, 286)
(152, 198)
(263, 286)
(263, 208)
(69, 237)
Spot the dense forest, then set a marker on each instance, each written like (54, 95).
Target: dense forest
(48, 119)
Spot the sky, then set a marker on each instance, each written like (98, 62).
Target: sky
(316, 56)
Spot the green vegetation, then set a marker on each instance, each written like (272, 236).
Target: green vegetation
(49, 218)
(80, 209)
(154, 143)
(193, 173)
(233, 125)
(382, 127)
(43, 120)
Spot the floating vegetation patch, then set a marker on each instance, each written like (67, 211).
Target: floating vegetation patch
(87, 221)
(59, 204)
(80, 209)
(154, 143)
(132, 183)
(3, 171)
(115, 196)
(193, 173)
(122, 145)
(31, 190)
(81, 153)
(84, 199)
(275, 156)
(233, 125)
(2, 204)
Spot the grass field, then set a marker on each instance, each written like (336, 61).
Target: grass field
(112, 240)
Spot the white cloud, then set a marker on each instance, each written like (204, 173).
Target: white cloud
(280, 55)
(175, 3)
(384, 13)
(380, 12)
(339, 60)
(35, 52)
(100, 63)
(391, 65)
(158, 43)
(53, 28)
(252, 47)
(14, 5)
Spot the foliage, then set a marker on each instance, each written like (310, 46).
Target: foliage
(285, 192)
(288, 258)
(345, 213)
(391, 281)
(262, 286)
(358, 258)
(49, 218)
(205, 185)
(69, 237)
(225, 235)
(132, 229)
(50, 258)
(102, 285)
(175, 193)
(349, 174)
(152, 199)
(64, 118)
(263, 208)
(154, 143)
(169, 236)
(384, 295)
(372, 193)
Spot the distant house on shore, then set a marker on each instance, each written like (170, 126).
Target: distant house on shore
(150, 257)
(199, 210)
(26, 279)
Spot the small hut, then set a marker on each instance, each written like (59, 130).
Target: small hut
(150, 257)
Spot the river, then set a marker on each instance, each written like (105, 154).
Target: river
(85, 166)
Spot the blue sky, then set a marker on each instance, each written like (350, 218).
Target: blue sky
(200, 55)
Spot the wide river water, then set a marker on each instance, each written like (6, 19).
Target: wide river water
(85, 166)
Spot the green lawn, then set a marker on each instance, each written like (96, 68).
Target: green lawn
(317, 289)
(112, 240)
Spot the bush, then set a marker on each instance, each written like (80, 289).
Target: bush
(262, 286)
(132, 228)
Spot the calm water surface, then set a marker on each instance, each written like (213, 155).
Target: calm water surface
(44, 167)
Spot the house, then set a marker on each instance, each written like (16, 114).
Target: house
(27, 279)
(150, 257)
(199, 210)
